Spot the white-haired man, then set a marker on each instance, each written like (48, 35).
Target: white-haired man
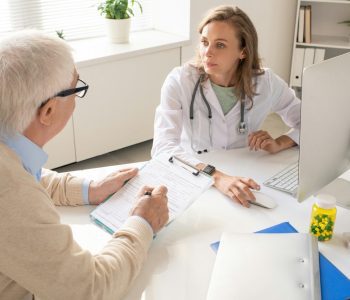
(38, 86)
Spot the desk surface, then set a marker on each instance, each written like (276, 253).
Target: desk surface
(180, 260)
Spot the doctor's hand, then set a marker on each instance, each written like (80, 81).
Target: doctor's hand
(152, 205)
(100, 190)
(262, 140)
(237, 188)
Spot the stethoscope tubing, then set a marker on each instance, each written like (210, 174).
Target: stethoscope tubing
(242, 128)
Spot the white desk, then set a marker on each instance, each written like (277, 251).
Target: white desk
(180, 260)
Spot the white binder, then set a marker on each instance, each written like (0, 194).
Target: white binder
(297, 68)
(266, 266)
(319, 55)
(301, 24)
(309, 57)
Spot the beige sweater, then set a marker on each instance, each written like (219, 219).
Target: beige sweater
(38, 253)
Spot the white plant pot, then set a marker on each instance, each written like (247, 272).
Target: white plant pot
(118, 30)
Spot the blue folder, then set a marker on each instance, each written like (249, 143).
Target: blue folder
(334, 284)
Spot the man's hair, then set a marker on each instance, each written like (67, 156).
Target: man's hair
(33, 68)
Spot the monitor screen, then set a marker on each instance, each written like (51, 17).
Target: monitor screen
(325, 128)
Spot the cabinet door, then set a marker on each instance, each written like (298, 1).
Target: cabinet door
(118, 110)
(61, 148)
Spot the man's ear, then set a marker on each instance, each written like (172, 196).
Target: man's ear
(46, 113)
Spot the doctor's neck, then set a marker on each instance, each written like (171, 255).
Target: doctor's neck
(224, 79)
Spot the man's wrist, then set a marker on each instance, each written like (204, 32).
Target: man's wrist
(94, 197)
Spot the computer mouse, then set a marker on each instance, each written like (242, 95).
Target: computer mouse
(263, 200)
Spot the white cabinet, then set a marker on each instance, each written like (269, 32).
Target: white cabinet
(118, 110)
(328, 37)
(61, 148)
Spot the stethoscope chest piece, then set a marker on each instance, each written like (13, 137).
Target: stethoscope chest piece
(242, 128)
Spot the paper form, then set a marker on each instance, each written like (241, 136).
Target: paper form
(183, 188)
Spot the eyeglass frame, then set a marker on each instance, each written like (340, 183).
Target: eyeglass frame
(69, 92)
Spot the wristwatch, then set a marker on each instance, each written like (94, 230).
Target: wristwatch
(209, 169)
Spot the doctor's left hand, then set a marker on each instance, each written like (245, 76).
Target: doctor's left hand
(100, 190)
(262, 140)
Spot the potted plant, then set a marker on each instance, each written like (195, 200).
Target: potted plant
(117, 14)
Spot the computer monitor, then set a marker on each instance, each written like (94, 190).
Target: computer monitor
(325, 130)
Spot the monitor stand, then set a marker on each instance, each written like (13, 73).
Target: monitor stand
(340, 189)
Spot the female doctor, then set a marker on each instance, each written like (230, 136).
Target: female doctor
(220, 100)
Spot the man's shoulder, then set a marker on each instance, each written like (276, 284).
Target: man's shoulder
(10, 165)
(16, 183)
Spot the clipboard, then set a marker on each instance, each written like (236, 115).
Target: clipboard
(184, 182)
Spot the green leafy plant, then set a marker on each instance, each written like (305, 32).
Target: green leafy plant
(60, 34)
(118, 9)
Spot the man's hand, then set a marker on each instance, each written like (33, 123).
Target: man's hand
(100, 190)
(237, 188)
(152, 207)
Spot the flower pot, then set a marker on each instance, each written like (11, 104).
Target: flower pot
(118, 30)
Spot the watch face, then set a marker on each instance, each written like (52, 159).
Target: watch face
(209, 169)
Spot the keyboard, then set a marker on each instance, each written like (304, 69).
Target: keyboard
(286, 180)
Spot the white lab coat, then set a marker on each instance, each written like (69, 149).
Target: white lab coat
(172, 128)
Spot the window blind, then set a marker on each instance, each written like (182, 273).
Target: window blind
(79, 19)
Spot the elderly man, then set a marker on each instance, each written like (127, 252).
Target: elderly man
(38, 87)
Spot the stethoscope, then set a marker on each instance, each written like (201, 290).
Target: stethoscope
(242, 126)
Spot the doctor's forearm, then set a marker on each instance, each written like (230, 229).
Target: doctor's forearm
(285, 142)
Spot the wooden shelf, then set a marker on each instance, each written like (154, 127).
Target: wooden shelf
(321, 41)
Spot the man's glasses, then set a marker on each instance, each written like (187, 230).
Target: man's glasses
(80, 91)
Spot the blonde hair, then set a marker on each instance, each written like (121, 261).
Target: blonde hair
(33, 67)
(248, 67)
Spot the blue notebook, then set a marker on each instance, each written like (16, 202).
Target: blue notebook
(334, 284)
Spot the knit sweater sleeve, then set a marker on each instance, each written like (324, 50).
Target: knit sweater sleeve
(64, 189)
(40, 254)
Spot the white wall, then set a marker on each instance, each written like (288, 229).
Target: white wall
(172, 16)
(274, 21)
(198, 10)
